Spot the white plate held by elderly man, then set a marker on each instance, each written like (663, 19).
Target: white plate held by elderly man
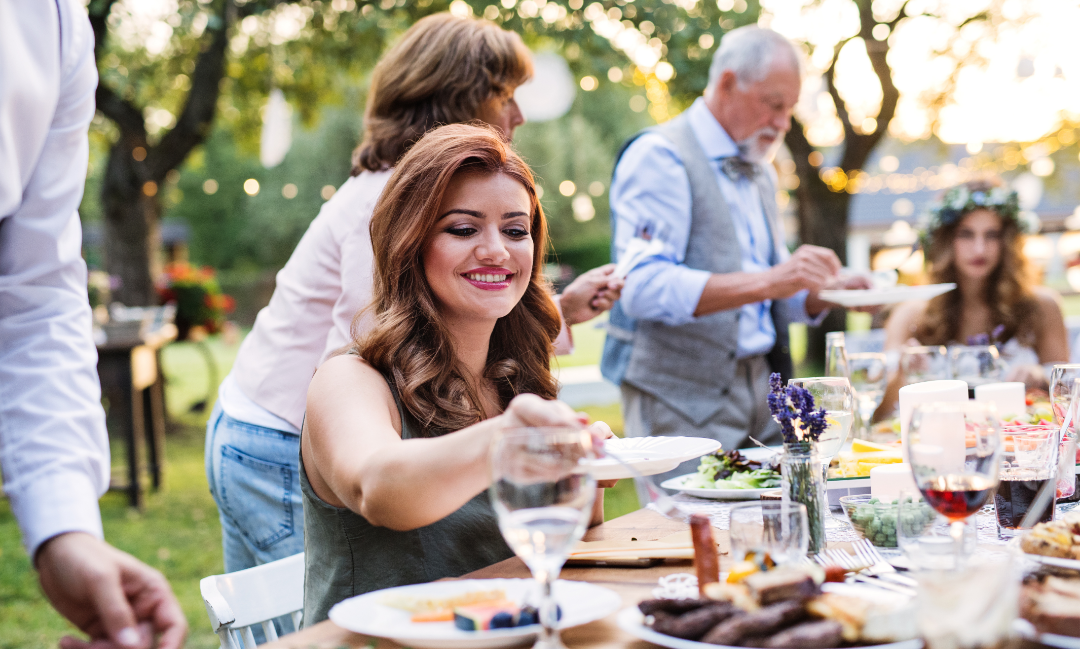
(891, 295)
(648, 455)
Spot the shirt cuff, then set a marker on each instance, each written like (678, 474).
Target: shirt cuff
(53, 504)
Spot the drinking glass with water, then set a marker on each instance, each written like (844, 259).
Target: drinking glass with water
(543, 494)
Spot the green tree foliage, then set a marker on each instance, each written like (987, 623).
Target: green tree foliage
(169, 77)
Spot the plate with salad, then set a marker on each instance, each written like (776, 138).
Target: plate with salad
(730, 475)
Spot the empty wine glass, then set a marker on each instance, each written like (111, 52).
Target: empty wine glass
(955, 454)
(869, 376)
(543, 494)
(923, 363)
(976, 364)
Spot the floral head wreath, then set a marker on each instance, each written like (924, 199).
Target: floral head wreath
(959, 201)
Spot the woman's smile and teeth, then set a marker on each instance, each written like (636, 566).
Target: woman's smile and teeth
(489, 279)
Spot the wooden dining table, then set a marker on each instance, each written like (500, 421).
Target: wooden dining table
(631, 584)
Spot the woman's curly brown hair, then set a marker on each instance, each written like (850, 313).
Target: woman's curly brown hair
(442, 71)
(409, 342)
(1008, 289)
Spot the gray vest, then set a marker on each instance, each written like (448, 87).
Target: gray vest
(689, 366)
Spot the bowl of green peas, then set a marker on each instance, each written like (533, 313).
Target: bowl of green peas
(875, 518)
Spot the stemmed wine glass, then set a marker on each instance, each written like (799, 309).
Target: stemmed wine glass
(1061, 387)
(918, 364)
(869, 377)
(955, 454)
(543, 494)
(834, 394)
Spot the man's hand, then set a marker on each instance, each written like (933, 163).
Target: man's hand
(810, 268)
(590, 294)
(117, 600)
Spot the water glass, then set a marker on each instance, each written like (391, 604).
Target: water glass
(969, 608)
(869, 377)
(1026, 466)
(780, 529)
(543, 494)
(924, 363)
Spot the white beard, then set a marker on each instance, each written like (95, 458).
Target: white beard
(755, 150)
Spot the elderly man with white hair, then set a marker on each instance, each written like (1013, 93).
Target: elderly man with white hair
(703, 319)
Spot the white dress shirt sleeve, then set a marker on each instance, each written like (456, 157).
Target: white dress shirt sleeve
(651, 188)
(53, 445)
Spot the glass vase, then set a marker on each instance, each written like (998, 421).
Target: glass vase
(803, 482)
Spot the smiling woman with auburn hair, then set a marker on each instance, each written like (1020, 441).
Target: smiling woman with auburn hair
(394, 455)
(444, 69)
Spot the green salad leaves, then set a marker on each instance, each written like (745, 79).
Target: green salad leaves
(732, 470)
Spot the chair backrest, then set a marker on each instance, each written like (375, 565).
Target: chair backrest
(238, 600)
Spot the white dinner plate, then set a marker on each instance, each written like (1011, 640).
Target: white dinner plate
(580, 602)
(649, 455)
(633, 622)
(713, 494)
(875, 296)
(1074, 564)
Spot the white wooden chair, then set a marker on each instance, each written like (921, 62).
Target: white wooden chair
(239, 600)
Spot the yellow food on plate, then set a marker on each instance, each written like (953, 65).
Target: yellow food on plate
(432, 606)
(866, 446)
(858, 465)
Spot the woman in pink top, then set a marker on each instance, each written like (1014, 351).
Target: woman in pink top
(444, 70)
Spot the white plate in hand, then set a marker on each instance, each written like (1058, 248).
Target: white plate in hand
(714, 494)
(581, 603)
(649, 455)
(875, 296)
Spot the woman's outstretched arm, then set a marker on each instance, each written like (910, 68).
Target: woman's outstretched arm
(354, 455)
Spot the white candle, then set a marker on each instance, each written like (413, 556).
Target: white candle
(927, 392)
(888, 480)
(1007, 397)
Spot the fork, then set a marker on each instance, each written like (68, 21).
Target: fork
(856, 564)
(879, 567)
(665, 504)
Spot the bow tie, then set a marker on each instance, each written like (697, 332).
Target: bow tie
(736, 167)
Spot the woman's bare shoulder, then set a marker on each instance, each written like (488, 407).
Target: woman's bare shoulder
(347, 374)
(1047, 298)
(903, 321)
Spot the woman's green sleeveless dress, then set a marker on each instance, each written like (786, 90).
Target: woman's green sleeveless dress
(345, 555)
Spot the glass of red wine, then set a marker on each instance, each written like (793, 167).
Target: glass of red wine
(955, 454)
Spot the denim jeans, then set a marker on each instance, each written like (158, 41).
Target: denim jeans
(254, 477)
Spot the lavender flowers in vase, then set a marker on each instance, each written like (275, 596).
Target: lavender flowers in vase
(801, 479)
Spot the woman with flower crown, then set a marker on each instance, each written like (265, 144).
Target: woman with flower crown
(975, 239)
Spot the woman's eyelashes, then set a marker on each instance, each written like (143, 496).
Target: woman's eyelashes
(515, 232)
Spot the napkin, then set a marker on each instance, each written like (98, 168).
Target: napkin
(675, 546)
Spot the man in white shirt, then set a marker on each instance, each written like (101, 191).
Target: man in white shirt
(53, 445)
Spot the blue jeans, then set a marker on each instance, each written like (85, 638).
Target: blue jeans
(254, 476)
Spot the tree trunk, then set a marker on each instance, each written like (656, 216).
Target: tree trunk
(131, 234)
(130, 193)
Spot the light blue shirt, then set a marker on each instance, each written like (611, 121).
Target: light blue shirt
(651, 189)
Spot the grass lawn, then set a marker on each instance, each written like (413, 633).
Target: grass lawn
(178, 532)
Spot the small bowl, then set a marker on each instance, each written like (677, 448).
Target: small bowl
(873, 519)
